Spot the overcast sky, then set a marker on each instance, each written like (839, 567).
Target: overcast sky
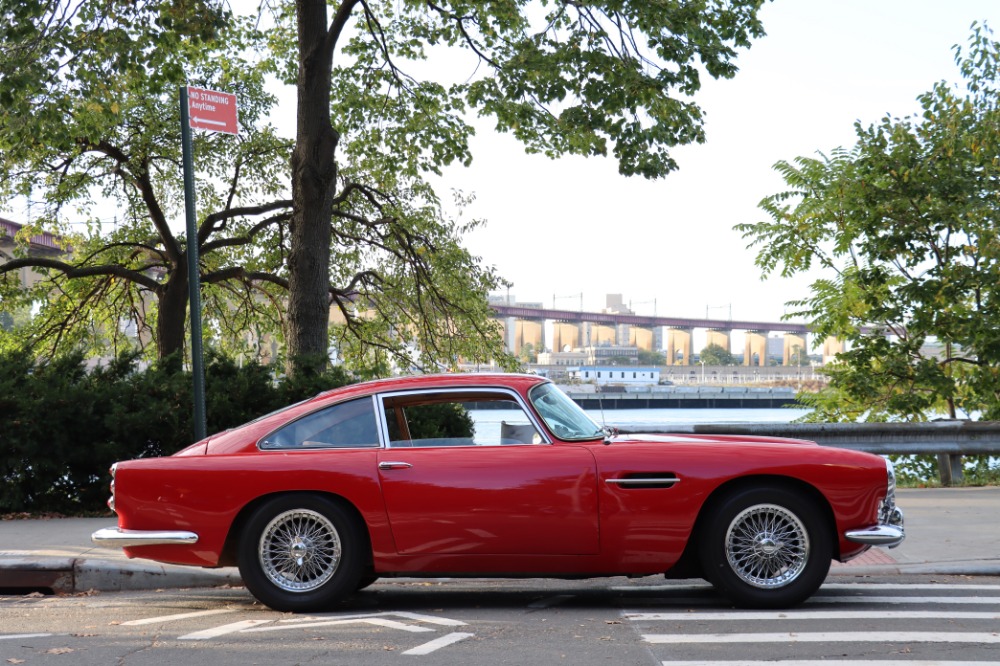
(559, 229)
(572, 226)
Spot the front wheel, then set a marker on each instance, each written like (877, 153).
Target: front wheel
(766, 547)
(301, 553)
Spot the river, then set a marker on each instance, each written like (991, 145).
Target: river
(664, 418)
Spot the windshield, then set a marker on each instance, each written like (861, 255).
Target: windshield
(564, 417)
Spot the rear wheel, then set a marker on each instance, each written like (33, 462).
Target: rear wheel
(302, 553)
(766, 547)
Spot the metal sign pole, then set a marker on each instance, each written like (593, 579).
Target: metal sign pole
(194, 278)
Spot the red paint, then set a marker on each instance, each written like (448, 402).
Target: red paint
(493, 510)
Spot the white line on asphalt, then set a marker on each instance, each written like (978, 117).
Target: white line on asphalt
(704, 587)
(15, 636)
(807, 615)
(438, 643)
(431, 619)
(377, 621)
(419, 617)
(902, 600)
(890, 637)
(906, 586)
(178, 616)
(221, 631)
(814, 662)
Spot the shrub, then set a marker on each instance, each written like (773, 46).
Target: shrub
(63, 426)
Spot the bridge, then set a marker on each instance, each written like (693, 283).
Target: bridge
(575, 329)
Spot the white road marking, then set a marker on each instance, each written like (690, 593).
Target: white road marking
(902, 600)
(377, 621)
(814, 662)
(16, 636)
(178, 616)
(907, 586)
(419, 617)
(807, 615)
(704, 587)
(221, 631)
(891, 637)
(438, 643)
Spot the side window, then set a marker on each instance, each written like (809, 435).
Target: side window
(436, 419)
(345, 425)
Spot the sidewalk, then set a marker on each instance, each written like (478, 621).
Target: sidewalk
(948, 531)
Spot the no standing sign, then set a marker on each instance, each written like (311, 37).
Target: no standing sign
(215, 112)
(212, 110)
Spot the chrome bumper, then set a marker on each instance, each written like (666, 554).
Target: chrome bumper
(889, 536)
(112, 537)
(889, 531)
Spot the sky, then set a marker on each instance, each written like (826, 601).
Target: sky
(559, 229)
(572, 228)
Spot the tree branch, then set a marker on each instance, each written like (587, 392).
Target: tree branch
(71, 271)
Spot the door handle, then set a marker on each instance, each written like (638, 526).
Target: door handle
(387, 465)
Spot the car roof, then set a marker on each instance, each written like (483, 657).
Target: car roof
(520, 382)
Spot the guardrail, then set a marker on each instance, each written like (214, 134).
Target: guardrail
(949, 440)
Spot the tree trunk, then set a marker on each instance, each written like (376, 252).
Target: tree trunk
(172, 313)
(313, 184)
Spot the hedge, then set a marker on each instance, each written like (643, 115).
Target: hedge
(64, 425)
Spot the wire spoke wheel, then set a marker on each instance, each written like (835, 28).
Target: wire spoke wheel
(299, 550)
(767, 546)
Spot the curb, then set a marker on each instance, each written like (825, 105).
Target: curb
(73, 575)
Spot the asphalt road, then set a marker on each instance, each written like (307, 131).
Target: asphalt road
(854, 620)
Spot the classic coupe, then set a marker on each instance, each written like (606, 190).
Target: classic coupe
(496, 475)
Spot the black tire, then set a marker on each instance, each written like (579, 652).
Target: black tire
(766, 547)
(302, 553)
(366, 581)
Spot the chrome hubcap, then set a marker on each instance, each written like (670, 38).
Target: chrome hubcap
(299, 550)
(767, 546)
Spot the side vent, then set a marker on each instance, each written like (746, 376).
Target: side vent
(645, 480)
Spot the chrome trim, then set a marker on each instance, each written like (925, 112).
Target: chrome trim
(388, 464)
(877, 535)
(529, 411)
(889, 531)
(327, 405)
(644, 482)
(113, 537)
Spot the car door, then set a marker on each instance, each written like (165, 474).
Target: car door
(469, 472)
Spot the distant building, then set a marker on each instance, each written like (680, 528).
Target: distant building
(610, 374)
(44, 245)
(577, 357)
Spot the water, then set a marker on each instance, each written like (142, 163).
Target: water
(665, 418)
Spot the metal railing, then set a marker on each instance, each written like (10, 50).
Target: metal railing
(949, 440)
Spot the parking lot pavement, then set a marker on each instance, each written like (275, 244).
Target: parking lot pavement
(948, 531)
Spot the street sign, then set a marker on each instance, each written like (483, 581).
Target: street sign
(212, 110)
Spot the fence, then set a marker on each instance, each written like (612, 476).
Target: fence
(949, 440)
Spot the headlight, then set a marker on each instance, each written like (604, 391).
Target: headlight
(890, 471)
(111, 500)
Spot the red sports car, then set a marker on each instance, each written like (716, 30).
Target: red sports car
(502, 476)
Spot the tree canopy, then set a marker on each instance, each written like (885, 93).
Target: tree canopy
(715, 354)
(906, 227)
(342, 218)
